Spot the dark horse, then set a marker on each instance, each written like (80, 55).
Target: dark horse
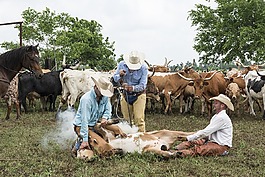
(12, 61)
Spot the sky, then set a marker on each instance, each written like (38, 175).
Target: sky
(157, 28)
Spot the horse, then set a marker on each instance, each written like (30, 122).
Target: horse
(12, 61)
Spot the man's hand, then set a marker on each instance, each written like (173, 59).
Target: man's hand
(122, 72)
(104, 122)
(127, 87)
(84, 144)
(181, 138)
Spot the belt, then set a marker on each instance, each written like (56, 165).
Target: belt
(134, 93)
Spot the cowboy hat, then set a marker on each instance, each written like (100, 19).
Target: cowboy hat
(225, 100)
(134, 60)
(104, 85)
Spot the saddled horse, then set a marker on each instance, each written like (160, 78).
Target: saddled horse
(12, 61)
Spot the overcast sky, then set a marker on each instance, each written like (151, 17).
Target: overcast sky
(158, 28)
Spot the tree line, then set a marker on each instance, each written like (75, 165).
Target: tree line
(233, 30)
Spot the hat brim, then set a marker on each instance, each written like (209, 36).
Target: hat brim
(229, 104)
(103, 92)
(133, 66)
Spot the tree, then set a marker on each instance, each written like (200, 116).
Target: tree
(61, 34)
(234, 30)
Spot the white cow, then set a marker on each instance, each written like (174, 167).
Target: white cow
(75, 83)
(255, 89)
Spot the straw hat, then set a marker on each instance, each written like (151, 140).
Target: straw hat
(224, 99)
(134, 60)
(104, 85)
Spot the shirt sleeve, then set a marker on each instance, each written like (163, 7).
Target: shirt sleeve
(214, 126)
(117, 76)
(85, 114)
(143, 81)
(107, 109)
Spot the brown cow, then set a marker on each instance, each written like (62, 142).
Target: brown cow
(189, 92)
(169, 84)
(208, 85)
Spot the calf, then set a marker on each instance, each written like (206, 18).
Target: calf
(158, 142)
(233, 92)
(48, 85)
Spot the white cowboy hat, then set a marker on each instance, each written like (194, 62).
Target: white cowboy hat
(104, 85)
(134, 60)
(224, 99)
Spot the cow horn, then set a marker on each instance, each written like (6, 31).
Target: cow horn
(152, 73)
(261, 65)
(147, 63)
(209, 78)
(169, 62)
(63, 63)
(165, 62)
(96, 69)
(260, 74)
(183, 77)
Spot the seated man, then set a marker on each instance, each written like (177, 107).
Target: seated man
(216, 138)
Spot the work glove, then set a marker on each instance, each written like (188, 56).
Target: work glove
(122, 72)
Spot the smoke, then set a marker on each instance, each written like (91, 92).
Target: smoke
(63, 134)
(126, 128)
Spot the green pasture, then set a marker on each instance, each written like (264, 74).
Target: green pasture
(22, 152)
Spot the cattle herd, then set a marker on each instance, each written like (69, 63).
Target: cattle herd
(163, 88)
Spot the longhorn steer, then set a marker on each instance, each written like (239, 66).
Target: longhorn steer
(255, 89)
(208, 85)
(170, 84)
(189, 92)
(239, 73)
(159, 68)
(75, 83)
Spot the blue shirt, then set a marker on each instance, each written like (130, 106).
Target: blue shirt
(135, 78)
(89, 112)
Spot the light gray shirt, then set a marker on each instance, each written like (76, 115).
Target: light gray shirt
(220, 130)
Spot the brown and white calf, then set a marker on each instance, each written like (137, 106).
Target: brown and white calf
(234, 93)
(158, 142)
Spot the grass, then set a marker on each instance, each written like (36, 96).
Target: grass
(22, 152)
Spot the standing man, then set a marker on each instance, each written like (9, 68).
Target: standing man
(94, 106)
(132, 74)
(216, 138)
